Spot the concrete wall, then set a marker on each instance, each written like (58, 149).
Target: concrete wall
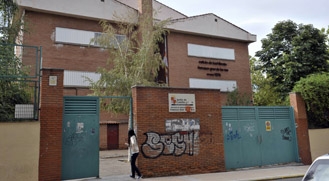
(318, 142)
(19, 151)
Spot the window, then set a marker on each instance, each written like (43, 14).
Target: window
(210, 52)
(79, 78)
(80, 37)
(223, 85)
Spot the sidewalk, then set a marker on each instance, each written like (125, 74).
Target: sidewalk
(242, 175)
(266, 173)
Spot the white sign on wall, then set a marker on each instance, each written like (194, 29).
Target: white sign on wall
(181, 102)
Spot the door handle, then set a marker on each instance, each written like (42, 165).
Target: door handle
(260, 139)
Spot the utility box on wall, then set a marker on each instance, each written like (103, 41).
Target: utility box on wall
(179, 130)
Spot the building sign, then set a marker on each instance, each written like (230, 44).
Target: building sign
(268, 125)
(52, 80)
(174, 125)
(181, 102)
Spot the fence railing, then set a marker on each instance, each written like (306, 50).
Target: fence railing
(19, 82)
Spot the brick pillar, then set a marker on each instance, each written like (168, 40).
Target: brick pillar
(297, 102)
(51, 115)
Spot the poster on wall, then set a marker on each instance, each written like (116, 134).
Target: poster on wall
(188, 124)
(181, 102)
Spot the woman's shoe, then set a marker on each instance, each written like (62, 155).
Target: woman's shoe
(132, 176)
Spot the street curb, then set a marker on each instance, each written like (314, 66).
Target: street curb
(278, 178)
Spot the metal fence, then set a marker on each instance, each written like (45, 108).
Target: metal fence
(19, 82)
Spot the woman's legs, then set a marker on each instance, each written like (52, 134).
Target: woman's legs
(133, 165)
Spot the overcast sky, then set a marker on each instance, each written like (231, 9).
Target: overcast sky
(258, 16)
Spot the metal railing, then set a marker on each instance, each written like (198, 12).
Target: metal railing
(19, 82)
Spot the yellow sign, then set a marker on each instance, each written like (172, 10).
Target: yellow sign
(268, 125)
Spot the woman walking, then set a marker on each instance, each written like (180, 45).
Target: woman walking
(133, 150)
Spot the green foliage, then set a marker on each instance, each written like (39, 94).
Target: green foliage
(133, 60)
(264, 94)
(291, 52)
(12, 88)
(9, 26)
(236, 98)
(11, 93)
(315, 91)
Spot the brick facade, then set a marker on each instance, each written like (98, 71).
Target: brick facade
(86, 58)
(297, 102)
(51, 116)
(41, 32)
(204, 152)
(182, 67)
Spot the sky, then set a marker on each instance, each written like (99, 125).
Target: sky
(258, 16)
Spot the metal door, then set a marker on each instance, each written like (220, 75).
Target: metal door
(80, 137)
(112, 136)
(257, 136)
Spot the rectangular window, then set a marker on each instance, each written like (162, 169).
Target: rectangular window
(210, 52)
(79, 78)
(80, 37)
(223, 85)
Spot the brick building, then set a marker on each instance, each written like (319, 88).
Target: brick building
(203, 51)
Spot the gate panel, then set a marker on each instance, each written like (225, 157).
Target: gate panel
(279, 142)
(241, 144)
(256, 136)
(80, 150)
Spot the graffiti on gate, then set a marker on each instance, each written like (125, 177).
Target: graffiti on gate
(170, 144)
(250, 129)
(286, 134)
(231, 134)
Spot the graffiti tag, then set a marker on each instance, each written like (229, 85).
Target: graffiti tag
(230, 136)
(175, 144)
(286, 134)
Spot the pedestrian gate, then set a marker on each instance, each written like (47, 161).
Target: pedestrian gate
(80, 137)
(257, 136)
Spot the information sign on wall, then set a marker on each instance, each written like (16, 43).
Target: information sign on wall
(181, 102)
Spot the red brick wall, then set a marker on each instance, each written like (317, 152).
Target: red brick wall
(103, 137)
(51, 116)
(297, 102)
(123, 135)
(41, 32)
(182, 67)
(151, 109)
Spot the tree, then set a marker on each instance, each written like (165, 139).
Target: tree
(236, 98)
(9, 26)
(291, 52)
(263, 92)
(12, 90)
(315, 91)
(134, 59)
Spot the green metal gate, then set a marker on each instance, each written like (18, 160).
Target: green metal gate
(80, 150)
(258, 136)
